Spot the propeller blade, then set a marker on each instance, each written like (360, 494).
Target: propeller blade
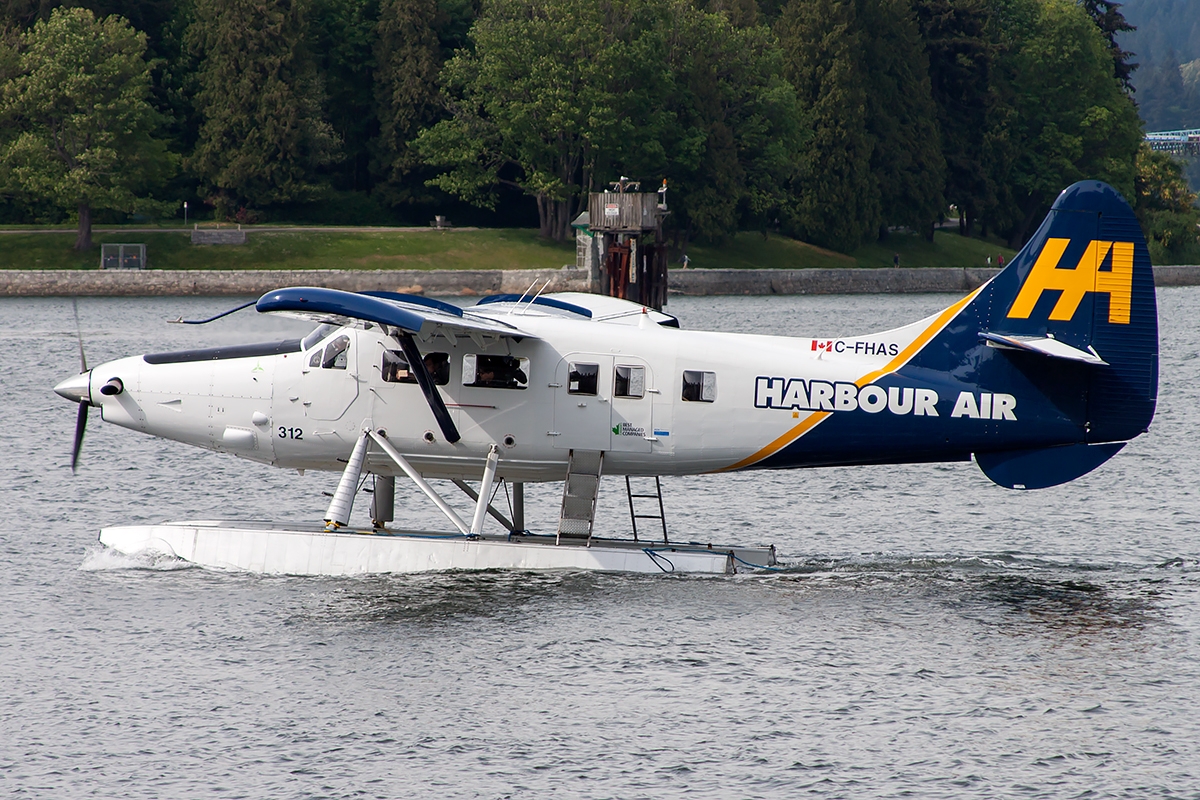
(80, 424)
(79, 334)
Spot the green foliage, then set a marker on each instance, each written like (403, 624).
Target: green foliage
(836, 201)
(558, 96)
(719, 122)
(907, 161)
(1167, 100)
(843, 120)
(1166, 207)
(875, 158)
(1064, 117)
(343, 34)
(533, 103)
(79, 126)
(1111, 22)
(408, 57)
(264, 131)
(961, 53)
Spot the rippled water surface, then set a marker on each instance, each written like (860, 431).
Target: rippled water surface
(932, 635)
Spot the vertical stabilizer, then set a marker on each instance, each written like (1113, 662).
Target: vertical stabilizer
(1085, 280)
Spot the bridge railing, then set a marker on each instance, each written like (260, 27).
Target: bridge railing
(1180, 143)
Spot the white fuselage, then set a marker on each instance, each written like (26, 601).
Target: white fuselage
(289, 410)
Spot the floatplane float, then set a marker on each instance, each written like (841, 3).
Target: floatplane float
(1042, 374)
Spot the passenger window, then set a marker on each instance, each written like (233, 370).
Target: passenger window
(582, 378)
(629, 382)
(699, 387)
(495, 372)
(336, 353)
(395, 367)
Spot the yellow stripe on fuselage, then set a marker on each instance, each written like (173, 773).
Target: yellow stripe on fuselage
(902, 358)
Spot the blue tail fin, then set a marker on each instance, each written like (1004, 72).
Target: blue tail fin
(1085, 280)
(1082, 290)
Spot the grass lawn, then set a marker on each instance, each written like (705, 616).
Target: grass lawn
(475, 249)
(752, 251)
(483, 249)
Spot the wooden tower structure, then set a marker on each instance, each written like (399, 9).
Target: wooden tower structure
(626, 229)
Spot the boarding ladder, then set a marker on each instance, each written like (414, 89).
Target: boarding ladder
(579, 495)
(661, 516)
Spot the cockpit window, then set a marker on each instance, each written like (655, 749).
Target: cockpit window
(495, 372)
(395, 367)
(318, 333)
(336, 353)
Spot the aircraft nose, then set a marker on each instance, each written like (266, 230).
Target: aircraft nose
(76, 389)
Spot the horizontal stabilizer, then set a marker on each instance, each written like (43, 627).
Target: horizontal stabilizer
(1047, 466)
(1044, 346)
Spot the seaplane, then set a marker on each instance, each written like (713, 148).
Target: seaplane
(1040, 375)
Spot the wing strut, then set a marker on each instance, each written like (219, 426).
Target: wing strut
(416, 366)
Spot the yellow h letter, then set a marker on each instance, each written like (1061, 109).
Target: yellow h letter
(1075, 283)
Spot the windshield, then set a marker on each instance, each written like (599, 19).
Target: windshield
(319, 333)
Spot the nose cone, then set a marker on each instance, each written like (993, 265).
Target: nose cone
(76, 389)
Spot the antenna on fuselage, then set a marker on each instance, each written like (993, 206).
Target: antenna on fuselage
(182, 321)
(524, 294)
(539, 294)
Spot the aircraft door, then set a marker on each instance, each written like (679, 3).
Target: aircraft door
(632, 426)
(582, 392)
(329, 377)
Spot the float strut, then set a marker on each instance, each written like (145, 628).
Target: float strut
(420, 481)
(518, 507)
(485, 490)
(343, 498)
(474, 495)
(383, 501)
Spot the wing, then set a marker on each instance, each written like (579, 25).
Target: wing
(418, 316)
(403, 317)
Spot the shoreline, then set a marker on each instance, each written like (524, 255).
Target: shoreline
(693, 282)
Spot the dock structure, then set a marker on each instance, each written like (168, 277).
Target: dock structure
(1179, 143)
(620, 241)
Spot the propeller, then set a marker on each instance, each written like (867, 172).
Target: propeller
(80, 424)
(84, 401)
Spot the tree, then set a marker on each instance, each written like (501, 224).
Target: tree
(1165, 206)
(408, 59)
(836, 197)
(1064, 116)
(343, 33)
(716, 119)
(1109, 19)
(961, 53)
(532, 104)
(82, 128)
(264, 132)
(1167, 102)
(907, 159)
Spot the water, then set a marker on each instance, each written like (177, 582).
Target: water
(933, 635)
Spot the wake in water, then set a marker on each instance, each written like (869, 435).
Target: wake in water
(104, 559)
